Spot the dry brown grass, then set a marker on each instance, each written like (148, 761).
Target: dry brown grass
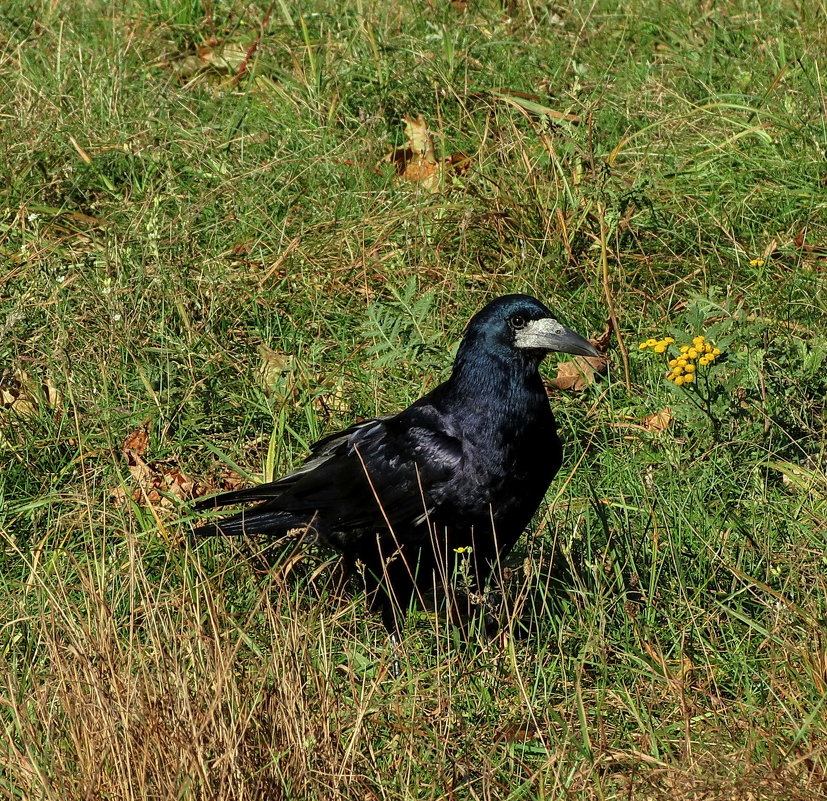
(133, 686)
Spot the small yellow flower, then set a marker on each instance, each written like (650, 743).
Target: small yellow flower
(716, 352)
(692, 353)
(708, 348)
(643, 346)
(679, 380)
(668, 340)
(660, 348)
(678, 369)
(462, 549)
(673, 362)
(756, 262)
(704, 361)
(688, 379)
(650, 343)
(690, 368)
(698, 341)
(684, 348)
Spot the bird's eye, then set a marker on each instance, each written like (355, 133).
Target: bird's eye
(517, 321)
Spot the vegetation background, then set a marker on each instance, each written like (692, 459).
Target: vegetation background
(208, 260)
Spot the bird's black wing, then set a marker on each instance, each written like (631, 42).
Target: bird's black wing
(320, 452)
(380, 473)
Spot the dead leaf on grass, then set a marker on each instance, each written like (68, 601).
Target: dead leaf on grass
(578, 373)
(333, 397)
(516, 733)
(159, 482)
(659, 421)
(276, 374)
(214, 62)
(416, 161)
(23, 395)
(136, 443)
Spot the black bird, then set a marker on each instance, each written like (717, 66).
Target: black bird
(457, 475)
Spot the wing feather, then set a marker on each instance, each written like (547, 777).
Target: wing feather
(370, 475)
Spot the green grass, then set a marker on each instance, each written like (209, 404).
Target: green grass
(158, 223)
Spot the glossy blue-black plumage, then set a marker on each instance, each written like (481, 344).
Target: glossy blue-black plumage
(464, 467)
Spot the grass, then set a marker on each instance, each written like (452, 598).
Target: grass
(159, 222)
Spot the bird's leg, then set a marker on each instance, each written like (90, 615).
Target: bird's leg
(395, 645)
(389, 618)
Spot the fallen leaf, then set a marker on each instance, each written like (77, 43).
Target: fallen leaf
(578, 373)
(275, 374)
(819, 251)
(334, 398)
(136, 443)
(416, 161)
(212, 62)
(516, 733)
(659, 421)
(602, 342)
(227, 480)
(158, 481)
(23, 395)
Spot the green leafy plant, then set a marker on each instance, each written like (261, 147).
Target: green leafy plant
(400, 329)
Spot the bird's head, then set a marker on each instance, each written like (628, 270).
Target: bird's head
(520, 326)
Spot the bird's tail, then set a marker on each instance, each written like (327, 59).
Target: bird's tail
(252, 521)
(263, 492)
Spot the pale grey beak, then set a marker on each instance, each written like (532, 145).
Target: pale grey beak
(547, 334)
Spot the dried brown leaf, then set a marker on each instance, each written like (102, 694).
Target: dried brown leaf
(602, 342)
(158, 482)
(276, 375)
(136, 443)
(516, 732)
(578, 373)
(213, 62)
(23, 395)
(416, 161)
(659, 421)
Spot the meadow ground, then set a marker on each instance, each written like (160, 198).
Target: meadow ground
(203, 236)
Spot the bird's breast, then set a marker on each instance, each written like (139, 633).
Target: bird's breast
(514, 460)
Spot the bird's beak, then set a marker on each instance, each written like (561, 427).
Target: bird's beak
(547, 334)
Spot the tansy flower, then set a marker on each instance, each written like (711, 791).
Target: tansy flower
(683, 367)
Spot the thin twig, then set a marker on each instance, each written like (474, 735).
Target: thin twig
(251, 50)
(604, 265)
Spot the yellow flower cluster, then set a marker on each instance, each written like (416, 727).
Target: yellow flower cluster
(684, 366)
(657, 345)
